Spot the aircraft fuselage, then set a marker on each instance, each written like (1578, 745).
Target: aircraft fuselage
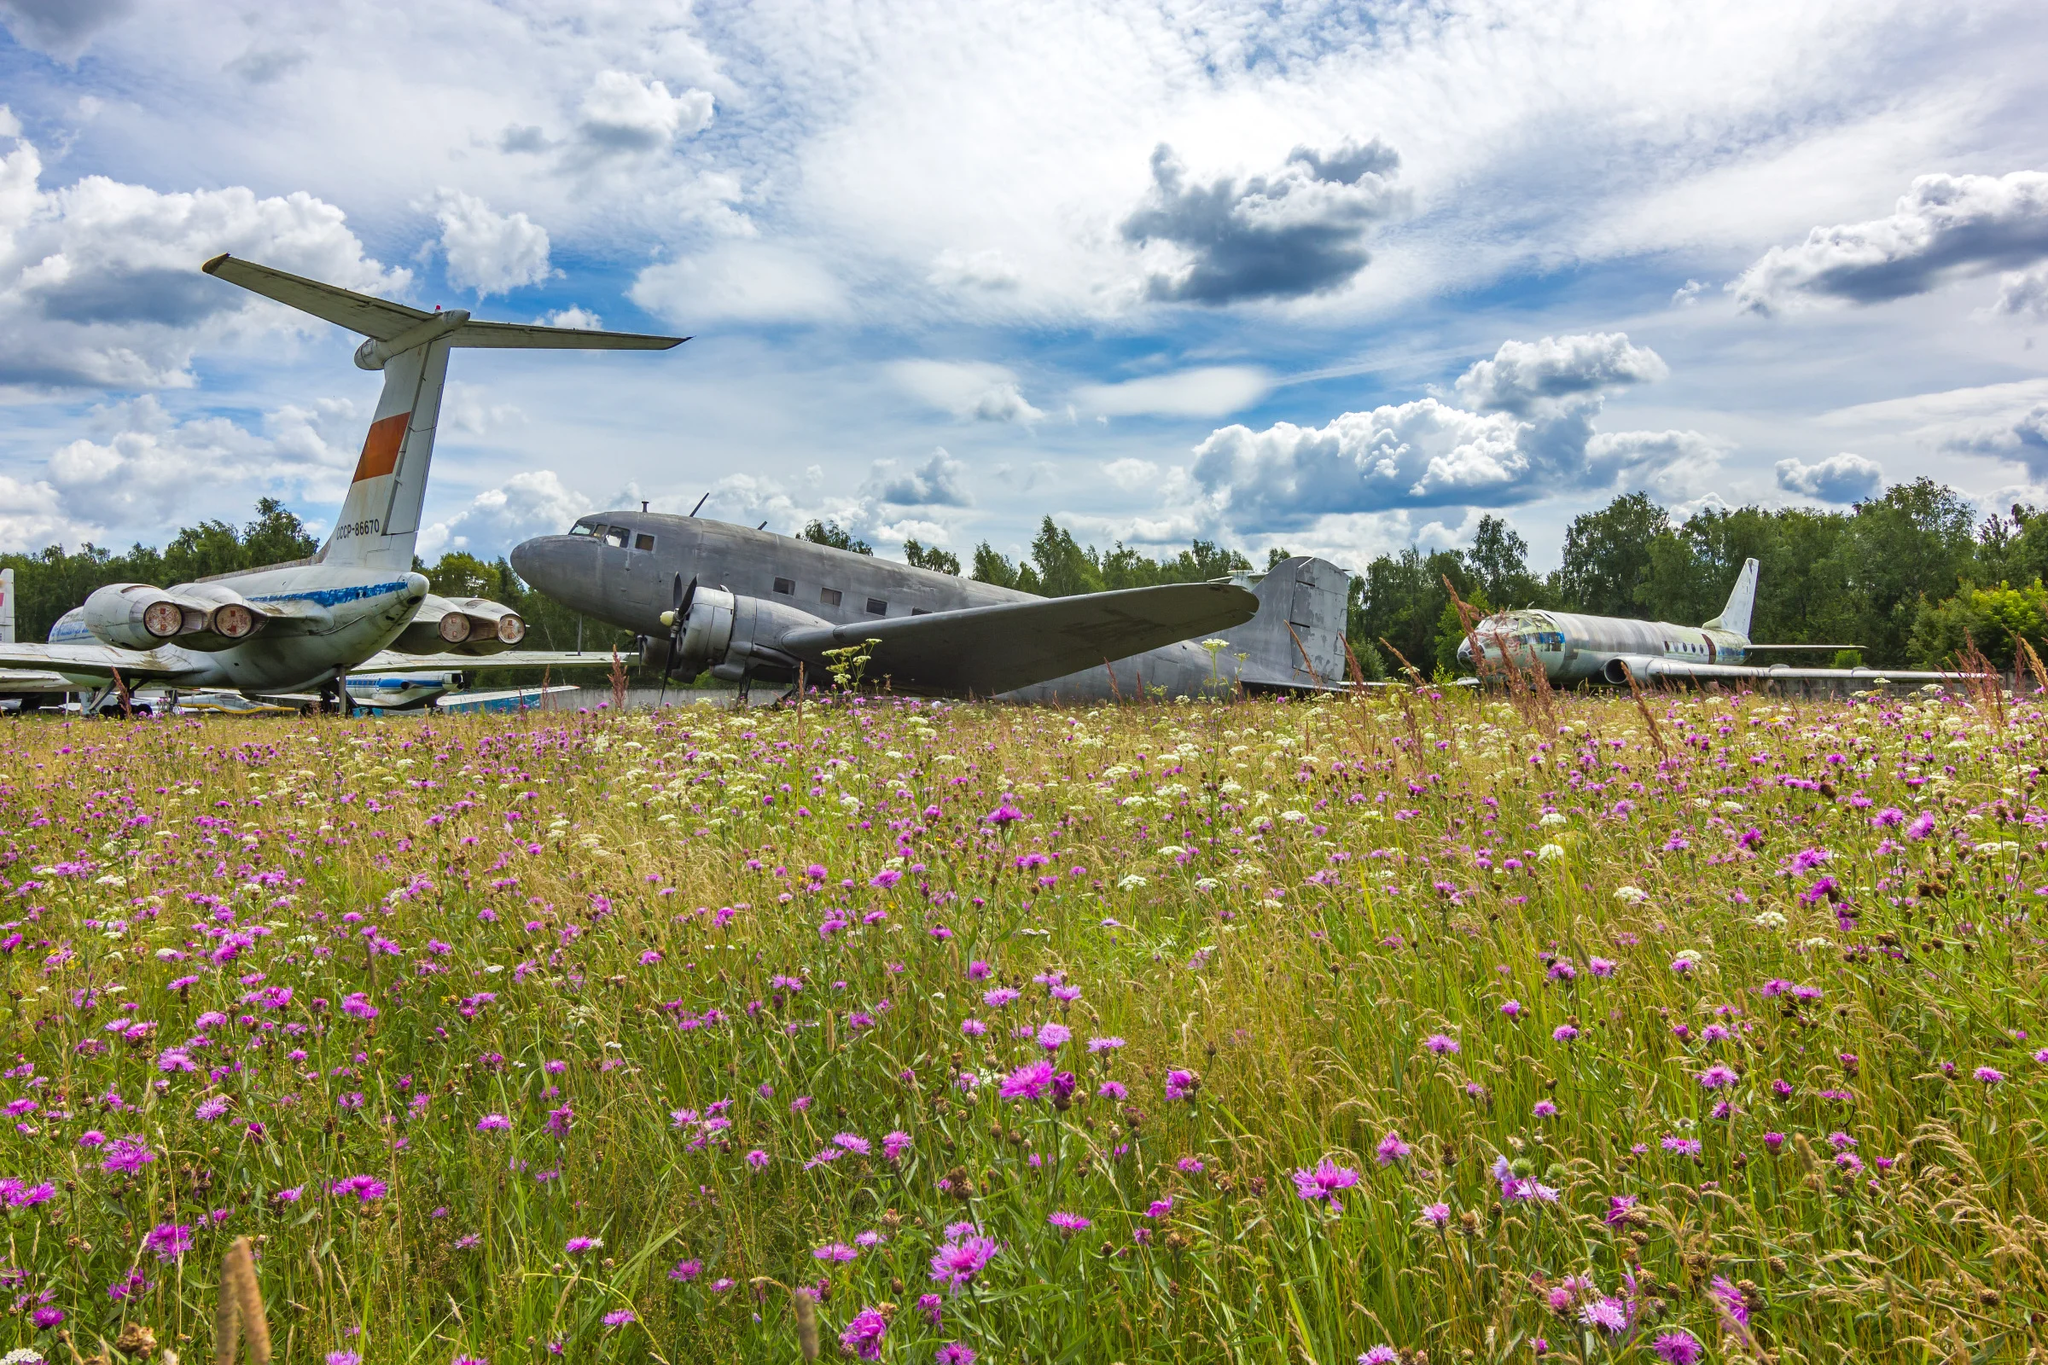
(1572, 648)
(626, 568)
(358, 612)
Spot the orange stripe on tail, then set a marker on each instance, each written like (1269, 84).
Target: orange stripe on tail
(381, 446)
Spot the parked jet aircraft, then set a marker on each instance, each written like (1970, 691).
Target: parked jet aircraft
(307, 624)
(748, 604)
(1572, 648)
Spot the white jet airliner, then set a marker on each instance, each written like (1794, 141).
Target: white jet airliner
(356, 603)
(1571, 648)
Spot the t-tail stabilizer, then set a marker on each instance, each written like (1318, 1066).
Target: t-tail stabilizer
(1741, 603)
(380, 518)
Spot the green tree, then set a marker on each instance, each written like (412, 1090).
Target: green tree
(457, 574)
(833, 534)
(1499, 559)
(1607, 556)
(276, 536)
(1064, 568)
(1994, 619)
(991, 567)
(920, 556)
(1401, 599)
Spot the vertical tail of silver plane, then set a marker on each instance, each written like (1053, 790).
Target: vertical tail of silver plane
(1741, 603)
(6, 606)
(380, 518)
(1297, 639)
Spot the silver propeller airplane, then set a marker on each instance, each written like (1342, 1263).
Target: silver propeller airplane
(357, 602)
(1572, 648)
(750, 605)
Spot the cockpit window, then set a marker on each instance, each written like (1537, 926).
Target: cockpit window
(616, 535)
(643, 541)
(579, 529)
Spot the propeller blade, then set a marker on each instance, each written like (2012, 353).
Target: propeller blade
(681, 597)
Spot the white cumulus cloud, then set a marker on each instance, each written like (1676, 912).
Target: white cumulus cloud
(100, 283)
(142, 468)
(530, 503)
(624, 112)
(2023, 292)
(1522, 374)
(935, 483)
(487, 251)
(1838, 478)
(1946, 227)
(1528, 434)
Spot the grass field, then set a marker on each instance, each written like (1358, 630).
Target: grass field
(1708, 1028)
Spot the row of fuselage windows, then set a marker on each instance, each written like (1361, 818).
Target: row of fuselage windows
(832, 597)
(1684, 647)
(622, 536)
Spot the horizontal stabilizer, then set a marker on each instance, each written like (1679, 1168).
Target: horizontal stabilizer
(383, 320)
(990, 650)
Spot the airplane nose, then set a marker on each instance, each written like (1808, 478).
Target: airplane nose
(562, 567)
(1465, 651)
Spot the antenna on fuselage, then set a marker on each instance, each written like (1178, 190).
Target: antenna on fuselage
(763, 526)
(700, 504)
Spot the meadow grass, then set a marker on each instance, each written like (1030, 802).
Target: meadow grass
(1419, 1026)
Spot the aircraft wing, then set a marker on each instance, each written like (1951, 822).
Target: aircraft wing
(988, 650)
(1644, 666)
(92, 661)
(392, 661)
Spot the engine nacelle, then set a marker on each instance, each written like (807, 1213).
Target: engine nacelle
(133, 616)
(200, 616)
(735, 637)
(472, 626)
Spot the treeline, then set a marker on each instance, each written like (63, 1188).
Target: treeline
(1909, 577)
(1058, 565)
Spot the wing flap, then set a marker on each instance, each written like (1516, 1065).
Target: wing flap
(989, 650)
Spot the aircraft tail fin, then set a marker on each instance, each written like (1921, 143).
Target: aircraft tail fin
(6, 606)
(380, 518)
(1297, 638)
(1741, 603)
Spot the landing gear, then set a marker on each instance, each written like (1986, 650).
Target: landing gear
(336, 694)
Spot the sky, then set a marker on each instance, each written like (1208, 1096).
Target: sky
(1336, 277)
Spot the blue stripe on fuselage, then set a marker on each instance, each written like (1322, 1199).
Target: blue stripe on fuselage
(333, 597)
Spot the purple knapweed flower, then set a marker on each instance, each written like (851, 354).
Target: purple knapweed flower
(1322, 1182)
